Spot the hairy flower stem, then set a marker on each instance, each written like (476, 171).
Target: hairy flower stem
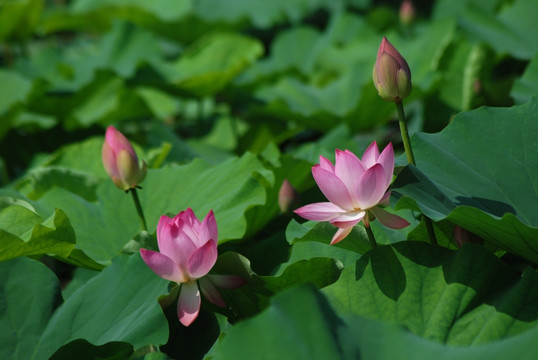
(371, 237)
(411, 159)
(139, 209)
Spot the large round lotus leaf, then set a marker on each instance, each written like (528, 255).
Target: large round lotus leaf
(480, 172)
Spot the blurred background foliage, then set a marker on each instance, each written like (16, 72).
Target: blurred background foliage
(217, 78)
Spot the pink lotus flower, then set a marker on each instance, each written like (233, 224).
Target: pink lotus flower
(391, 75)
(120, 160)
(355, 189)
(188, 250)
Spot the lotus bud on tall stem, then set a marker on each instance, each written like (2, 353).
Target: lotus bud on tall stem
(392, 79)
(122, 165)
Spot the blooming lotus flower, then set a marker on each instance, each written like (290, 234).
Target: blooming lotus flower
(120, 160)
(188, 250)
(355, 188)
(392, 76)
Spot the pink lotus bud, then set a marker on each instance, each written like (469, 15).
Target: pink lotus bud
(287, 197)
(462, 236)
(392, 77)
(120, 160)
(407, 12)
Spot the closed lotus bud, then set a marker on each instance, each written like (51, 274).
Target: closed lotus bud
(391, 75)
(287, 197)
(462, 236)
(407, 12)
(120, 160)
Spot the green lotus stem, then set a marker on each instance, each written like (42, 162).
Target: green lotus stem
(139, 209)
(371, 237)
(405, 134)
(411, 159)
